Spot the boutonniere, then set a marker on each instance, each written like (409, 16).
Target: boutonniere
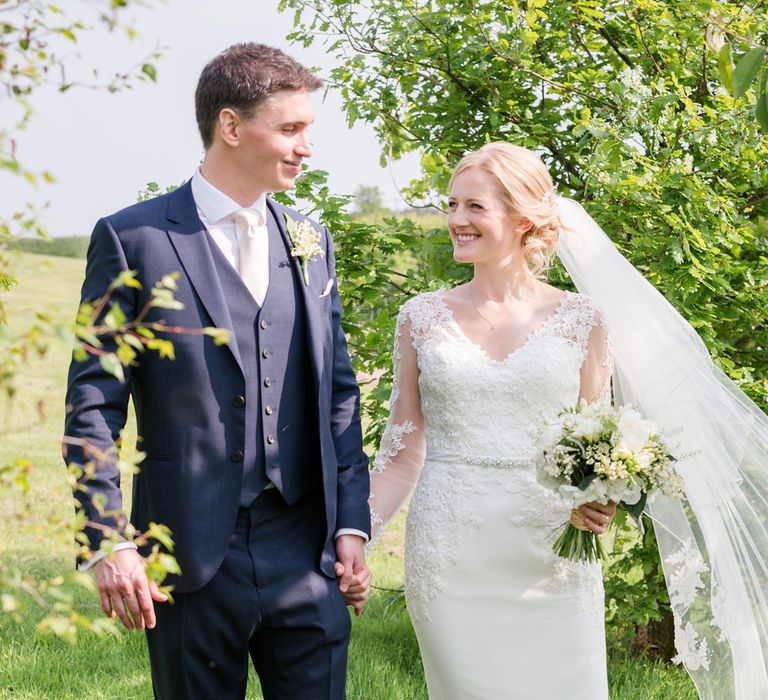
(305, 239)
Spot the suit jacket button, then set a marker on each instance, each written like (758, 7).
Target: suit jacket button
(265, 353)
(271, 439)
(237, 456)
(269, 410)
(267, 382)
(238, 401)
(263, 323)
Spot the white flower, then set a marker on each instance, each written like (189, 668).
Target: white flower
(587, 427)
(305, 239)
(551, 435)
(625, 490)
(633, 432)
(596, 491)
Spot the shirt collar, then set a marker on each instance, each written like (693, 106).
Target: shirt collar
(216, 206)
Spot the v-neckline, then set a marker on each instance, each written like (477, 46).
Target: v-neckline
(528, 338)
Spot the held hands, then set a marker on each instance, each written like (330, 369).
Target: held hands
(593, 516)
(352, 572)
(125, 591)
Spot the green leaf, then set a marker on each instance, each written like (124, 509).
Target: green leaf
(169, 281)
(163, 347)
(87, 335)
(133, 341)
(725, 67)
(221, 336)
(761, 106)
(150, 71)
(586, 481)
(746, 70)
(126, 354)
(115, 317)
(163, 299)
(160, 533)
(127, 278)
(110, 364)
(67, 33)
(635, 510)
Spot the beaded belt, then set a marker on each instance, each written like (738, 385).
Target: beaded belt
(490, 462)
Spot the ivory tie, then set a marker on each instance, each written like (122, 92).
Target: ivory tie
(253, 259)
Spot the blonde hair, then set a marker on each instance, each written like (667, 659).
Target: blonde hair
(526, 191)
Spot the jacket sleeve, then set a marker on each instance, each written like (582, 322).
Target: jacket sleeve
(353, 482)
(96, 402)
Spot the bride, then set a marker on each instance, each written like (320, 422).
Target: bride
(478, 371)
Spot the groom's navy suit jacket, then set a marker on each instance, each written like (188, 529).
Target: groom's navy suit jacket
(192, 417)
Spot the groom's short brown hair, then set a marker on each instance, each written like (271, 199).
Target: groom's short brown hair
(241, 78)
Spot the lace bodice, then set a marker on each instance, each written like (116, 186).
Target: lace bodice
(452, 401)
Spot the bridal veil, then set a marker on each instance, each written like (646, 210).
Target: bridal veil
(714, 543)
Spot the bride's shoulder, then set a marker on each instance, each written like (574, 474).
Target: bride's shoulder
(583, 308)
(423, 312)
(422, 302)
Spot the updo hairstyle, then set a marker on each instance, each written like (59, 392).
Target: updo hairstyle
(526, 190)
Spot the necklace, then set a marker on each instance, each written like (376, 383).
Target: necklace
(493, 326)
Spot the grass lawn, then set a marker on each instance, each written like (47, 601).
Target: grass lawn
(34, 539)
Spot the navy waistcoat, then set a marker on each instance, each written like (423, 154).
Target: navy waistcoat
(281, 436)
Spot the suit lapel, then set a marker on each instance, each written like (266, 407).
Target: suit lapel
(188, 237)
(314, 322)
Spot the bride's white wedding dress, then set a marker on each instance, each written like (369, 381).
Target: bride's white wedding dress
(496, 613)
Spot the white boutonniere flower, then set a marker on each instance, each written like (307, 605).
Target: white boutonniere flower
(305, 239)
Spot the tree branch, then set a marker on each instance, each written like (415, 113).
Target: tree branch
(617, 50)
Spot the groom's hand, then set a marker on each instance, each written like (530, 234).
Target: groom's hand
(352, 571)
(125, 591)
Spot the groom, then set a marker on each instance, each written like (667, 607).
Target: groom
(253, 449)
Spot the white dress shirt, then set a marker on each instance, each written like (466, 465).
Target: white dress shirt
(216, 211)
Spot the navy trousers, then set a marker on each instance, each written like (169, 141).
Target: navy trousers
(268, 601)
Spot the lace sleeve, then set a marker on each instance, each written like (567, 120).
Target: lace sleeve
(401, 454)
(597, 367)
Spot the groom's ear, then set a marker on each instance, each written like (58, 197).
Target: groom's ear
(229, 120)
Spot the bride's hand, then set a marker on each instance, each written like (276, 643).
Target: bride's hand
(594, 516)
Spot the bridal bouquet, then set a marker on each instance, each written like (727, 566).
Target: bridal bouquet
(597, 452)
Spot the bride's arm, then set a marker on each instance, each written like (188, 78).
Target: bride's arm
(401, 453)
(597, 368)
(595, 385)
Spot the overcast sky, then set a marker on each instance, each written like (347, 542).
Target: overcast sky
(103, 148)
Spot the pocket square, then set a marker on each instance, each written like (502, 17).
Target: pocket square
(328, 288)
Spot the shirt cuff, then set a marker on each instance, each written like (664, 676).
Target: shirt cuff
(98, 556)
(350, 531)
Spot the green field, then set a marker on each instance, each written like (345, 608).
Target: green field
(34, 539)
